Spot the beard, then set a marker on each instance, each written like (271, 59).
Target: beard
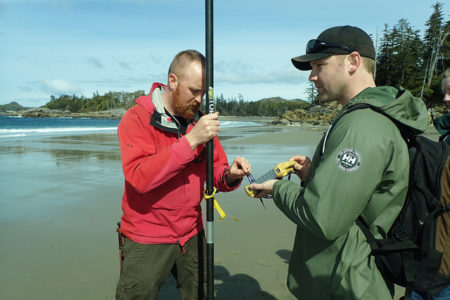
(185, 110)
(333, 93)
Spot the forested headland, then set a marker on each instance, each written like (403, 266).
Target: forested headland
(406, 58)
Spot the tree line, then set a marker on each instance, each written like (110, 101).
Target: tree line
(405, 59)
(271, 107)
(227, 107)
(108, 101)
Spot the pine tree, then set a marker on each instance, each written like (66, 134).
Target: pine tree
(384, 59)
(400, 56)
(437, 47)
(311, 93)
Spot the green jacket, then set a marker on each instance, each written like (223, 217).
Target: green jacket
(363, 171)
(442, 125)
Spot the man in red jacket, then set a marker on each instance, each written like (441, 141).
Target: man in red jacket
(163, 158)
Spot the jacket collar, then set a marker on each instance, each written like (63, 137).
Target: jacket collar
(160, 119)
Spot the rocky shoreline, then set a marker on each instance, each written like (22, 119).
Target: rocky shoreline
(315, 115)
(42, 112)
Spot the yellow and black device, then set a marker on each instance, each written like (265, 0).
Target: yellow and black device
(282, 169)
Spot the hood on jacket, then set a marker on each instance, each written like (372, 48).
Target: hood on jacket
(400, 105)
(154, 105)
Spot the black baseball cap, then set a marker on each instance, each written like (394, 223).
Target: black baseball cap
(336, 40)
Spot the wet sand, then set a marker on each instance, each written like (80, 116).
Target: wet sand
(61, 199)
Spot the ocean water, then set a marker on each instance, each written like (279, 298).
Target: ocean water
(11, 127)
(16, 127)
(60, 194)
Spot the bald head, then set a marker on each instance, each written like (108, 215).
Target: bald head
(184, 59)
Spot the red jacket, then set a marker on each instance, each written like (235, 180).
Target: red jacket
(164, 177)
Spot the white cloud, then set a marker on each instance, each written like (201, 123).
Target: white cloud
(57, 87)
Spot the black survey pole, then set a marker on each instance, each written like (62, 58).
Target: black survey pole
(209, 153)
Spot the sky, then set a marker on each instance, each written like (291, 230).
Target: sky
(81, 47)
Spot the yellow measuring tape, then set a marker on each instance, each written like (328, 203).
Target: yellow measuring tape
(222, 214)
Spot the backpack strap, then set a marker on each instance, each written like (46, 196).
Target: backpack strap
(378, 246)
(369, 236)
(428, 239)
(333, 123)
(444, 137)
(407, 135)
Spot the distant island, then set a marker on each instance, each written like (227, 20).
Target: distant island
(16, 110)
(279, 110)
(114, 104)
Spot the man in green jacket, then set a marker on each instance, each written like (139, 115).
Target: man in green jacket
(359, 169)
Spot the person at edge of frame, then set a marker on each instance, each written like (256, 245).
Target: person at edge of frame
(164, 162)
(442, 124)
(359, 169)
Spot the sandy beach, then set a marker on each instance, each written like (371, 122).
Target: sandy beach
(61, 199)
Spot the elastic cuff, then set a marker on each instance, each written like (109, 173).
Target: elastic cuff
(234, 183)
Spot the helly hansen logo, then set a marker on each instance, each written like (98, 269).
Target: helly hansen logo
(348, 160)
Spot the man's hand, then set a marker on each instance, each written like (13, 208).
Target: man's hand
(264, 188)
(206, 128)
(301, 168)
(239, 168)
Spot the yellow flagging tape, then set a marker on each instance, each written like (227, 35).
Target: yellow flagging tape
(222, 214)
